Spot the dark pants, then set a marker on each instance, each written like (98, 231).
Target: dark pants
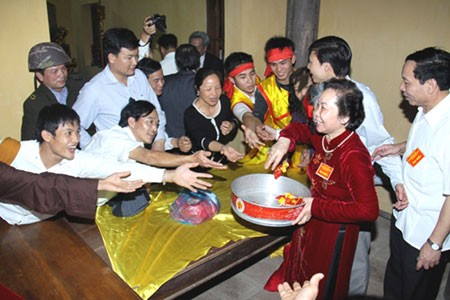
(401, 280)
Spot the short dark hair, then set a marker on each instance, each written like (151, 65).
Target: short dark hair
(349, 101)
(279, 42)
(203, 73)
(335, 51)
(200, 35)
(52, 116)
(136, 110)
(148, 66)
(236, 59)
(168, 41)
(116, 38)
(432, 63)
(300, 75)
(187, 58)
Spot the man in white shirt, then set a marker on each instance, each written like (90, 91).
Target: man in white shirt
(103, 97)
(419, 241)
(330, 57)
(55, 151)
(138, 126)
(167, 46)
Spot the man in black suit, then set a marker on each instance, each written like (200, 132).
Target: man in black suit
(179, 92)
(200, 41)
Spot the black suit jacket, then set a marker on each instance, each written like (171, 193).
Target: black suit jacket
(213, 62)
(178, 94)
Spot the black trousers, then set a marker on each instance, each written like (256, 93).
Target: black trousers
(401, 280)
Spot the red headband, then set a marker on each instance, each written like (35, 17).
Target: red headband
(241, 68)
(277, 54)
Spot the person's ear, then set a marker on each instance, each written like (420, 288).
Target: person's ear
(232, 80)
(344, 120)
(111, 58)
(431, 85)
(293, 59)
(46, 136)
(39, 76)
(131, 122)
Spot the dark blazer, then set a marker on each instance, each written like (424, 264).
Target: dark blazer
(40, 98)
(48, 193)
(178, 94)
(213, 62)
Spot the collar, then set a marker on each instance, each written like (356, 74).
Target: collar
(111, 79)
(435, 115)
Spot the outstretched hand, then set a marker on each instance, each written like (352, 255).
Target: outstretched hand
(276, 153)
(251, 138)
(183, 176)
(115, 183)
(202, 158)
(388, 150)
(308, 291)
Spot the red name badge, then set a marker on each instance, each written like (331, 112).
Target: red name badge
(415, 157)
(324, 171)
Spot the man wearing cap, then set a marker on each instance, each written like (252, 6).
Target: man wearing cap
(48, 62)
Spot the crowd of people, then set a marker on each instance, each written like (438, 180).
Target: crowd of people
(155, 121)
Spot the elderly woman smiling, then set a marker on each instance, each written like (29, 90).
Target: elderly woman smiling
(342, 192)
(209, 122)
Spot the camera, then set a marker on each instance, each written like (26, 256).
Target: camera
(160, 22)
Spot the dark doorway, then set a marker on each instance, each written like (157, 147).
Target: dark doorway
(215, 26)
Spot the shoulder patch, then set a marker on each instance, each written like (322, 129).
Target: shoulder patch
(32, 96)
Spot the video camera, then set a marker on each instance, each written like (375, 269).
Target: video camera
(159, 21)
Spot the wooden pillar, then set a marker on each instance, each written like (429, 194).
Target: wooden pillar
(302, 22)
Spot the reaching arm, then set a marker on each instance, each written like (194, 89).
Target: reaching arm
(164, 159)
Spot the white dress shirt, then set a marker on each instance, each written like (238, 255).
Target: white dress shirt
(168, 64)
(84, 165)
(428, 182)
(373, 134)
(115, 143)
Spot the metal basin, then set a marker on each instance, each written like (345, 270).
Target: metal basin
(254, 199)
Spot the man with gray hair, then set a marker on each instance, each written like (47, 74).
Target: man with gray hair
(200, 40)
(48, 62)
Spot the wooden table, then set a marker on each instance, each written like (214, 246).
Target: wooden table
(217, 262)
(48, 260)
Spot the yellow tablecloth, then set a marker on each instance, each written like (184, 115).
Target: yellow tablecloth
(148, 249)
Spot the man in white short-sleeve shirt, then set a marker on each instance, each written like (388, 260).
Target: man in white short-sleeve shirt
(419, 241)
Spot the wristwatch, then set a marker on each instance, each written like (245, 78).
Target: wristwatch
(434, 246)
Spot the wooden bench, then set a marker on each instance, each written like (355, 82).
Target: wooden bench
(48, 260)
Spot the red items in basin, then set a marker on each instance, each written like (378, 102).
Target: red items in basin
(255, 198)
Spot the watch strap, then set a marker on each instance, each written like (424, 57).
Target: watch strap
(434, 246)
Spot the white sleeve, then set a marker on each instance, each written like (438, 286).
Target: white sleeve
(111, 145)
(153, 99)
(373, 134)
(239, 110)
(87, 112)
(143, 49)
(95, 166)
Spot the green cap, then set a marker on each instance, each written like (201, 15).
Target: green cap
(45, 55)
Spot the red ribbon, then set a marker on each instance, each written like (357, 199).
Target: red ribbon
(277, 54)
(228, 87)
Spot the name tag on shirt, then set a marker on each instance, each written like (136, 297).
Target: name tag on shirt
(415, 157)
(324, 171)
